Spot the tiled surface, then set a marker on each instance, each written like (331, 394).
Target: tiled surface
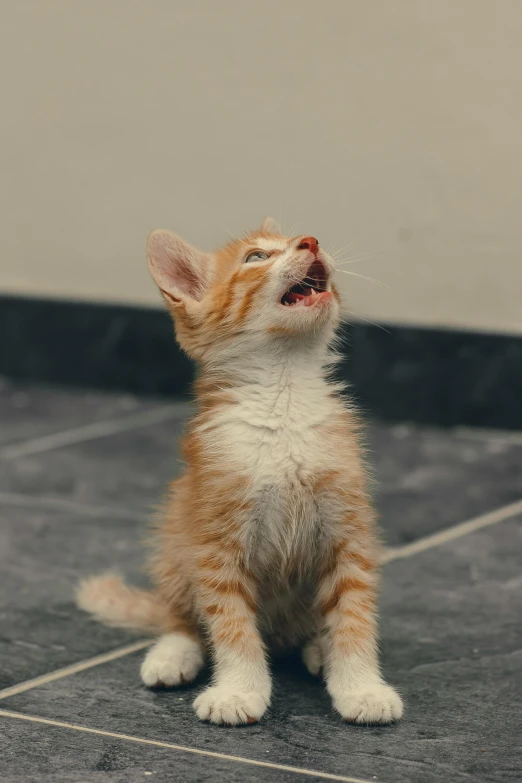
(42, 555)
(451, 630)
(33, 753)
(429, 479)
(426, 479)
(129, 469)
(452, 642)
(27, 412)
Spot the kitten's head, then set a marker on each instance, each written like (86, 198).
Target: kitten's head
(266, 287)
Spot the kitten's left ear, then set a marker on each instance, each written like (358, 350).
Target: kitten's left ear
(180, 271)
(270, 226)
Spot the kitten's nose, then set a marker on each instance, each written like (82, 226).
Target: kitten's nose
(309, 243)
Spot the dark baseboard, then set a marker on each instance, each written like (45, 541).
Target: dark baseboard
(432, 376)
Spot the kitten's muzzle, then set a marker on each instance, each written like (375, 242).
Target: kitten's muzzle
(312, 286)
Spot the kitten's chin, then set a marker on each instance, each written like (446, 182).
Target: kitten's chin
(307, 316)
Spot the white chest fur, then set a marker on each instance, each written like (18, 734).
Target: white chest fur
(273, 435)
(273, 430)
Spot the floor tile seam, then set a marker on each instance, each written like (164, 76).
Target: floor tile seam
(477, 434)
(180, 748)
(93, 431)
(390, 554)
(504, 513)
(74, 668)
(452, 533)
(43, 503)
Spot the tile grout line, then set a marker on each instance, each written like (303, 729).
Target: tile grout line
(504, 437)
(183, 748)
(99, 429)
(390, 554)
(424, 544)
(74, 668)
(429, 542)
(454, 532)
(17, 500)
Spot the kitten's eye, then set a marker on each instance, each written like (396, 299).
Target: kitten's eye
(256, 255)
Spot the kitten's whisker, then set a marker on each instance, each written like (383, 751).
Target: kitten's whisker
(281, 220)
(234, 236)
(360, 257)
(292, 231)
(363, 277)
(367, 320)
(342, 249)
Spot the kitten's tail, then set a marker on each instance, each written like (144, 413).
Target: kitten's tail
(112, 602)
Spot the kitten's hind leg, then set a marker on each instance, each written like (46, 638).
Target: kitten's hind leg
(175, 659)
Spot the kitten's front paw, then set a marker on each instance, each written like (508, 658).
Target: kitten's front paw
(174, 660)
(224, 705)
(378, 703)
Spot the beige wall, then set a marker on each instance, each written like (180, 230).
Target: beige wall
(392, 124)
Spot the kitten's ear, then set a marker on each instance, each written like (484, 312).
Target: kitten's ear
(270, 226)
(179, 270)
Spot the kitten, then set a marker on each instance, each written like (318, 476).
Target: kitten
(268, 540)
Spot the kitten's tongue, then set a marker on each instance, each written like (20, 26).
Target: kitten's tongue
(293, 297)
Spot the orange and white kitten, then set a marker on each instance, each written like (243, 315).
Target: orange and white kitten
(268, 540)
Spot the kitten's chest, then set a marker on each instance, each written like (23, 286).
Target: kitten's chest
(277, 438)
(274, 439)
(280, 448)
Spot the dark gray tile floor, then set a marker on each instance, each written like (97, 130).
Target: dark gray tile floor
(42, 555)
(451, 616)
(33, 753)
(28, 413)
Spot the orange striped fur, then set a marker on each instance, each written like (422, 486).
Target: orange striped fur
(268, 541)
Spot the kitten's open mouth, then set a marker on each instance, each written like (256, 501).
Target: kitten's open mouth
(310, 289)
